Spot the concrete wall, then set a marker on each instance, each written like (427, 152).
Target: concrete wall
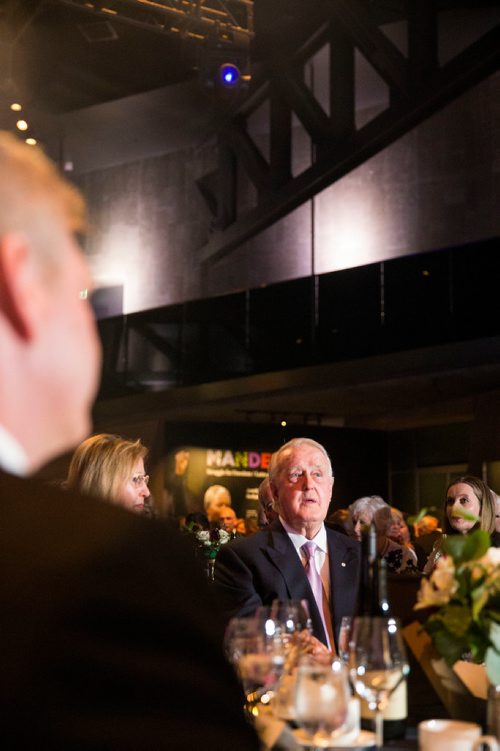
(435, 187)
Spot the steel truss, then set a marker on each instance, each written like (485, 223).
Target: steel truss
(418, 85)
(226, 22)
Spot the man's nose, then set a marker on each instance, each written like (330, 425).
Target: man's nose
(307, 479)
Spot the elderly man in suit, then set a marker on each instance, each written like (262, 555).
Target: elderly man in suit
(296, 557)
(109, 640)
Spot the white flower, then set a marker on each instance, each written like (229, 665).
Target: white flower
(488, 564)
(203, 536)
(441, 585)
(224, 536)
(443, 576)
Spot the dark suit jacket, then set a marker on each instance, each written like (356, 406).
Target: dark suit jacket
(254, 570)
(109, 638)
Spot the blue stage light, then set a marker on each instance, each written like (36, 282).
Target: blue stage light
(229, 74)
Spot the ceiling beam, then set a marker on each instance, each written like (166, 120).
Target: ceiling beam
(419, 88)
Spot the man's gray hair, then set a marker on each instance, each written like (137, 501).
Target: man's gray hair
(370, 503)
(276, 459)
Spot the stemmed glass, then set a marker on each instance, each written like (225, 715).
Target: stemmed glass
(321, 699)
(254, 647)
(377, 663)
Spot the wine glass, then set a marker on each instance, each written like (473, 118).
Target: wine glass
(321, 700)
(344, 636)
(377, 663)
(293, 615)
(254, 647)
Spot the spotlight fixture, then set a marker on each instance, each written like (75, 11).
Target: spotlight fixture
(229, 74)
(16, 107)
(22, 125)
(31, 141)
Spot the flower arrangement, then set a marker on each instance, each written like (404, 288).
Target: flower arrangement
(210, 540)
(464, 593)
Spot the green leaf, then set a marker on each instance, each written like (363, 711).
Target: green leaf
(448, 647)
(492, 662)
(457, 619)
(480, 597)
(494, 635)
(418, 517)
(467, 547)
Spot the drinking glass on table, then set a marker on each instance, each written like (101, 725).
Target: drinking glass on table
(255, 648)
(344, 637)
(321, 700)
(293, 615)
(377, 663)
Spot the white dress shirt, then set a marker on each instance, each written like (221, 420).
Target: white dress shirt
(322, 565)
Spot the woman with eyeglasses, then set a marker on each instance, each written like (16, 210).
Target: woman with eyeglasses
(111, 467)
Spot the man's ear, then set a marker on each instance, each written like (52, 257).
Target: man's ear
(274, 491)
(18, 292)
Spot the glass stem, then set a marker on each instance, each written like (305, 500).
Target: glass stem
(379, 728)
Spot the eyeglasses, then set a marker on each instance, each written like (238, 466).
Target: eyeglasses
(139, 479)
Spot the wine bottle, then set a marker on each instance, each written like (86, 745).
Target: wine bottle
(375, 602)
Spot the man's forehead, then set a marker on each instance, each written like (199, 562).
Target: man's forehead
(304, 455)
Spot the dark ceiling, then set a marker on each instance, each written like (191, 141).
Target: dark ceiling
(63, 55)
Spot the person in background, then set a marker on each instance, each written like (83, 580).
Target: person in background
(267, 514)
(215, 497)
(339, 520)
(471, 495)
(226, 519)
(295, 557)
(398, 530)
(110, 641)
(112, 468)
(373, 509)
(426, 532)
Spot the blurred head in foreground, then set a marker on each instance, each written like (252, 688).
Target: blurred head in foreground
(50, 350)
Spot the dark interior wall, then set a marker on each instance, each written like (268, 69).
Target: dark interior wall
(421, 461)
(359, 457)
(434, 187)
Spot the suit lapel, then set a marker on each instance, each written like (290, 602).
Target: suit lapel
(343, 564)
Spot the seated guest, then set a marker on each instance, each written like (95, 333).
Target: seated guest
(425, 534)
(373, 509)
(465, 494)
(398, 530)
(110, 641)
(226, 519)
(339, 520)
(295, 557)
(196, 522)
(215, 497)
(267, 514)
(111, 468)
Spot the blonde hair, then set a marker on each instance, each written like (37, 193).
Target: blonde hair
(102, 462)
(35, 199)
(213, 493)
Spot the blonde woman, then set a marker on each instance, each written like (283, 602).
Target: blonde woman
(112, 468)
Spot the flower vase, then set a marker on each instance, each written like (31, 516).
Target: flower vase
(210, 556)
(210, 569)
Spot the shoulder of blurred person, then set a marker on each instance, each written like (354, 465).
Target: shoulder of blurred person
(114, 616)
